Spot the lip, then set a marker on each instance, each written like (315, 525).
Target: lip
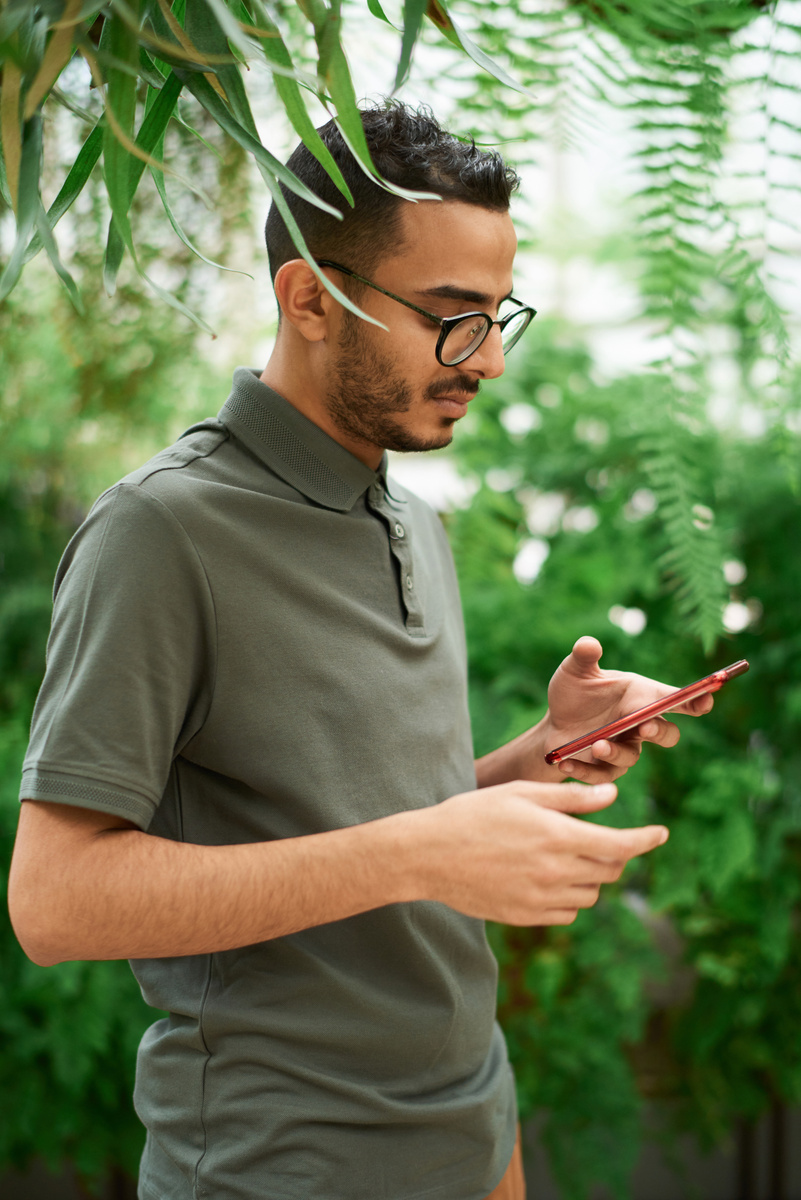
(453, 406)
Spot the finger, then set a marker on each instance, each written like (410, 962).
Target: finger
(659, 731)
(552, 916)
(594, 773)
(574, 797)
(623, 753)
(598, 870)
(699, 706)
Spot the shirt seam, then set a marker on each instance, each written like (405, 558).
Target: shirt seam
(201, 1114)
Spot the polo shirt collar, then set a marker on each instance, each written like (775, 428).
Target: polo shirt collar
(292, 446)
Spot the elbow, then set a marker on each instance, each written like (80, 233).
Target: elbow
(33, 921)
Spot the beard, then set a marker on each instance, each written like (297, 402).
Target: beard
(367, 394)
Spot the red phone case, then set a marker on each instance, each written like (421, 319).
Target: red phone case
(710, 683)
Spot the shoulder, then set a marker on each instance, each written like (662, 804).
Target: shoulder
(137, 527)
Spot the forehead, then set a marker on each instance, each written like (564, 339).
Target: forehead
(452, 243)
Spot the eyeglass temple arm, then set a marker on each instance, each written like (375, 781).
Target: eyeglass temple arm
(324, 262)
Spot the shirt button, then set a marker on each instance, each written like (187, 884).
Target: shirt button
(409, 582)
(399, 530)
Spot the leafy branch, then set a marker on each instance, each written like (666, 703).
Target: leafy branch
(143, 57)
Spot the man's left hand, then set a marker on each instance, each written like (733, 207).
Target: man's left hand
(582, 697)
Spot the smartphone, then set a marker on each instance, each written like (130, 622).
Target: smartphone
(710, 683)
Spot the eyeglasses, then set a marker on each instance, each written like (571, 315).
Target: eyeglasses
(462, 335)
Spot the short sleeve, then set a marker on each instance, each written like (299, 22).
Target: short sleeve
(130, 660)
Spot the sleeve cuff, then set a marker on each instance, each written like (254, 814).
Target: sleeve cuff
(60, 788)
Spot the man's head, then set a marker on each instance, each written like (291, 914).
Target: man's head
(410, 149)
(374, 388)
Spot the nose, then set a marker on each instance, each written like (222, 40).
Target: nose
(488, 361)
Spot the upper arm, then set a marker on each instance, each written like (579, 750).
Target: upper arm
(129, 662)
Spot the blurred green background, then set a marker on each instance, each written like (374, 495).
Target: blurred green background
(635, 475)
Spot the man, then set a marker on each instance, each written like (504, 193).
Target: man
(250, 768)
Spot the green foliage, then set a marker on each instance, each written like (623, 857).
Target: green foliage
(82, 401)
(682, 983)
(141, 57)
(706, 235)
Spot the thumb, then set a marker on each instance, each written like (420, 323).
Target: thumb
(584, 657)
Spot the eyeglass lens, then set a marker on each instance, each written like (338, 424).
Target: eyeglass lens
(468, 335)
(464, 338)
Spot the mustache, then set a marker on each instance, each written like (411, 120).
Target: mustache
(448, 387)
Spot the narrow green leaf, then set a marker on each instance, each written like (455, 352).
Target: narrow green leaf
(149, 71)
(10, 127)
(377, 11)
(45, 233)
(28, 201)
(300, 244)
(413, 13)
(440, 15)
(277, 55)
(190, 129)
(58, 53)
(73, 185)
(11, 18)
(151, 135)
(208, 34)
(4, 192)
(67, 102)
(202, 90)
(160, 182)
(348, 117)
(227, 23)
(121, 101)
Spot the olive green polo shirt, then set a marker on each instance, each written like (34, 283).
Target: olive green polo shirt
(255, 637)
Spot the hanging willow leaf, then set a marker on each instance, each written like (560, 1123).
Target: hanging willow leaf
(442, 18)
(377, 11)
(73, 185)
(160, 182)
(59, 52)
(227, 23)
(28, 201)
(121, 112)
(4, 192)
(11, 128)
(413, 13)
(149, 138)
(205, 94)
(45, 234)
(277, 55)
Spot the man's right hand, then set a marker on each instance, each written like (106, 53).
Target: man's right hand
(512, 853)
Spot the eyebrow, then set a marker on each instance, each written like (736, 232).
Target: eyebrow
(448, 291)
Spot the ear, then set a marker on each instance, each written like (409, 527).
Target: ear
(304, 302)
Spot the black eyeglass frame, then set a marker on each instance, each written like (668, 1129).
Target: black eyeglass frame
(446, 323)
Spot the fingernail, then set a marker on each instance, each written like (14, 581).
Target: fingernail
(604, 791)
(664, 837)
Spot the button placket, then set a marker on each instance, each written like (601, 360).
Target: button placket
(401, 548)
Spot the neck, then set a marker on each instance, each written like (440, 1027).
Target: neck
(297, 372)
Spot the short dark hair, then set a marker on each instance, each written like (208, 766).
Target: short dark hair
(409, 148)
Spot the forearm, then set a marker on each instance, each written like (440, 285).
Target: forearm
(522, 758)
(121, 893)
